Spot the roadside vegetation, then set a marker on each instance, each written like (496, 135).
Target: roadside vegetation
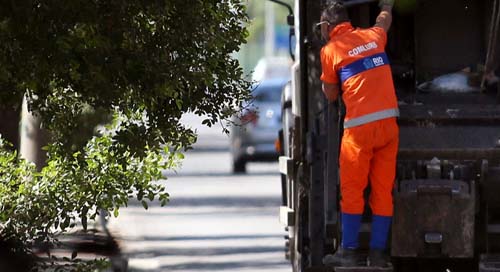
(109, 81)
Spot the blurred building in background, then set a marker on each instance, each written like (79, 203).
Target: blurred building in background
(268, 37)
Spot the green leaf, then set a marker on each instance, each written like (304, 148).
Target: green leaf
(116, 212)
(65, 223)
(178, 102)
(144, 204)
(140, 195)
(84, 222)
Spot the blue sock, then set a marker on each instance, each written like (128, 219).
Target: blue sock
(350, 229)
(380, 231)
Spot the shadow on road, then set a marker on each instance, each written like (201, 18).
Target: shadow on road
(212, 251)
(211, 173)
(218, 255)
(203, 237)
(231, 266)
(222, 201)
(215, 221)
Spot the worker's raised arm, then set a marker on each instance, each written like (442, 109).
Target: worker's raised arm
(384, 19)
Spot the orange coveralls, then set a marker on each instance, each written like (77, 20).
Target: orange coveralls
(355, 59)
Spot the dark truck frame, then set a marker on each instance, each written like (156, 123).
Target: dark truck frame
(447, 190)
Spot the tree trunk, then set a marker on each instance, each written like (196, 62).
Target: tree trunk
(32, 138)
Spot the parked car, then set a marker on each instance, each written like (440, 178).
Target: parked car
(256, 130)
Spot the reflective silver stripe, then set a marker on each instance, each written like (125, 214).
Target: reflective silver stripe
(371, 117)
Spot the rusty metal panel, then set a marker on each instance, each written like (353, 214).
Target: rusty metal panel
(469, 137)
(433, 218)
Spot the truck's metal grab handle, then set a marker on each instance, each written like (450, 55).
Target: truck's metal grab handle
(290, 40)
(290, 10)
(290, 21)
(492, 41)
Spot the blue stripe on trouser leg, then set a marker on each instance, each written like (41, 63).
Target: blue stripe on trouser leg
(350, 229)
(380, 231)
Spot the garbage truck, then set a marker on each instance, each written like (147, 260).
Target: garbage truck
(444, 57)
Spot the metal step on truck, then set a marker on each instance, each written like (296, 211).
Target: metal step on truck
(447, 187)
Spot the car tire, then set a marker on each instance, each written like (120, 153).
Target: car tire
(239, 166)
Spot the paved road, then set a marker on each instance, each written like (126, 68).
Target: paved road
(215, 221)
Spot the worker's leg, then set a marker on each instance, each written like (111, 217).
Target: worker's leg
(351, 224)
(355, 156)
(382, 176)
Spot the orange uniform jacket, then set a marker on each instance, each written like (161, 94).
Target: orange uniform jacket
(356, 59)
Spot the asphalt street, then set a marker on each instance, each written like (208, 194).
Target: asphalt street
(215, 221)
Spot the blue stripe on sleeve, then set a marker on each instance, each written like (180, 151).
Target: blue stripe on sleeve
(362, 65)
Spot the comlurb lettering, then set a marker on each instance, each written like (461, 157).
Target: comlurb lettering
(362, 48)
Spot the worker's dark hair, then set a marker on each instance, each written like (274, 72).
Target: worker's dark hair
(335, 13)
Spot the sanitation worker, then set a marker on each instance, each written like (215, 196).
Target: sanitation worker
(355, 65)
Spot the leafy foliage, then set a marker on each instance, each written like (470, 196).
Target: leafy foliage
(131, 55)
(140, 63)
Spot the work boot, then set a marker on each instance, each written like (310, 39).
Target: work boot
(345, 258)
(378, 258)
